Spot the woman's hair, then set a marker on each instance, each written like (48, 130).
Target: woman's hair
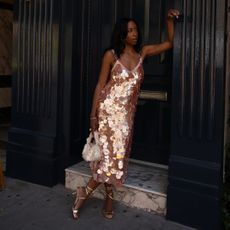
(119, 35)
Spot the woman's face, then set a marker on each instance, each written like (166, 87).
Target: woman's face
(132, 35)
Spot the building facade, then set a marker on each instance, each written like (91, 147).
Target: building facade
(57, 50)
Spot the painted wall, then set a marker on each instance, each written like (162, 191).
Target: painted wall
(6, 30)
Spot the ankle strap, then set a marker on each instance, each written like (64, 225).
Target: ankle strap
(110, 194)
(109, 190)
(88, 190)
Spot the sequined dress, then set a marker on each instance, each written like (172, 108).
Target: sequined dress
(116, 110)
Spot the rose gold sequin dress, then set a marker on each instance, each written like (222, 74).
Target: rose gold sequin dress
(116, 110)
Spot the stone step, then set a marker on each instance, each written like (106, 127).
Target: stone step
(145, 186)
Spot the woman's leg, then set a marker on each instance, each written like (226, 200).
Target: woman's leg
(82, 194)
(108, 206)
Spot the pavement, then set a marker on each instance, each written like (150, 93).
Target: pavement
(27, 206)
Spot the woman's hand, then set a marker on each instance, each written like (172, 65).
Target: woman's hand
(172, 13)
(93, 124)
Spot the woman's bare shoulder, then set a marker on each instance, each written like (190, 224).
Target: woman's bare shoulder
(109, 54)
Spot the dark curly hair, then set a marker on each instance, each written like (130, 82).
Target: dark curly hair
(119, 34)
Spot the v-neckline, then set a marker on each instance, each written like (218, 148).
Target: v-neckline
(137, 65)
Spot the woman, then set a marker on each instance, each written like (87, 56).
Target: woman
(114, 106)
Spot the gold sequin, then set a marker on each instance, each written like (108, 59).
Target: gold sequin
(119, 156)
(120, 164)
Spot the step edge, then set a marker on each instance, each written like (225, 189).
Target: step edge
(151, 164)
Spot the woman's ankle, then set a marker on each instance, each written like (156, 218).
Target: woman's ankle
(108, 206)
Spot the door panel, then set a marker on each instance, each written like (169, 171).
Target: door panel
(195, 186)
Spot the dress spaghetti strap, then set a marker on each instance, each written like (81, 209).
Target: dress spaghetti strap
(114, 54)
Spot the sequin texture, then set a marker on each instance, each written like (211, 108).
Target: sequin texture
(116, 109)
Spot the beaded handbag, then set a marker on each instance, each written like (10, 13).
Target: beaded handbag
(91, 150)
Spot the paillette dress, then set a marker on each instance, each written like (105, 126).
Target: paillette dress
(115, 111)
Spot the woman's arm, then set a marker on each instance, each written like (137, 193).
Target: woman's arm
(151, 50)
(107, 61)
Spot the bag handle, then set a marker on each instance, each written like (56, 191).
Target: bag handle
(96, 137)
(89, 139)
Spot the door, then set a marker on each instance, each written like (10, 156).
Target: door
(194, 192)
(93, 24)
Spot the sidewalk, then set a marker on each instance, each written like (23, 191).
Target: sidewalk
(26, 206)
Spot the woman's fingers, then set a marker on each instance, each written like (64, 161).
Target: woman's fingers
(173, 13)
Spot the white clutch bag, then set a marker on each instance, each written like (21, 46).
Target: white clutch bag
(91, 150)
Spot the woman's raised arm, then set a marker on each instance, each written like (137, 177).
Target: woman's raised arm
(151, 50)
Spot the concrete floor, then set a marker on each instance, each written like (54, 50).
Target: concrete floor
(27, 206)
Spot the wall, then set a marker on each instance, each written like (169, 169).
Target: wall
(6, 31)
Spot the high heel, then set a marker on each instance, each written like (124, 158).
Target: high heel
(109, 195)
(87, 192)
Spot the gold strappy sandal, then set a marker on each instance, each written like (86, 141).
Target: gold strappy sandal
(109, 194)
(88, 191)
